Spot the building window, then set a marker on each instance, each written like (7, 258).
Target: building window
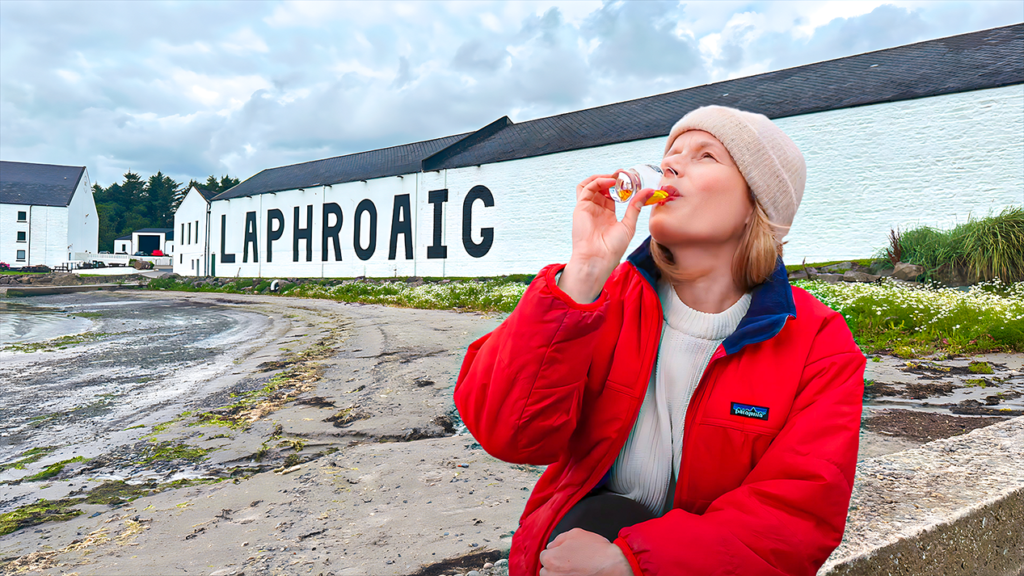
(188, 239)
(197, 231)
(22, 216)
(21, 255)
(21, 236)
(181, 259)
(183, 229)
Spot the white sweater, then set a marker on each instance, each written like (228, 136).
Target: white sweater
(647, 468)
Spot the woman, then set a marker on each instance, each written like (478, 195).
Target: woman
(698, 415)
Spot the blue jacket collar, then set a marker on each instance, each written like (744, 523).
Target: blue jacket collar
(771, 302)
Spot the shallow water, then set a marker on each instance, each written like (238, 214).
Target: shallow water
(141, 361)
(22, 321)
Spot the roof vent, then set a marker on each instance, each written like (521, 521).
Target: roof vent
(437, 160)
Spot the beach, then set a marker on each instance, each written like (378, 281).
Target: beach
(222, 434)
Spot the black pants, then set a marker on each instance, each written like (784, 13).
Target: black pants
(602, 512)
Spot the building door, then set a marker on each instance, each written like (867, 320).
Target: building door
(148, 243)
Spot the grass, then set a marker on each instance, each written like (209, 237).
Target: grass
(982, 249)
(28, 457)
(980, 368)
(53, 469)
(55, 344)
(819, 265)
(911, 322)
(884, 317)
(113, 493)
(168, 450)
(497, 294)
(37, 513)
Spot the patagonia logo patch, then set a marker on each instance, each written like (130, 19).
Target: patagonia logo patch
(749, 411)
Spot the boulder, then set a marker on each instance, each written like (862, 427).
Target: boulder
(67, 280)
(831, 278)
(904, 271)
(952, 275)
(840, 267)
(852, 276)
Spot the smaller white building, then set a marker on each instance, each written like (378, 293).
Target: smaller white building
(123, 244)
(192, 224)
(145, 241)
(47, 214)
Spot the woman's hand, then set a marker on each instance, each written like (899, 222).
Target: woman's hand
(599, 239)
(582, 553)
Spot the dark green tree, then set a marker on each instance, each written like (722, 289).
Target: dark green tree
(226, 183)
(135, 203)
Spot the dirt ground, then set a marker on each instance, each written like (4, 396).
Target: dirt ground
(352, 462)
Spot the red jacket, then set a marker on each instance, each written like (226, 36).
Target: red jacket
(760, 491)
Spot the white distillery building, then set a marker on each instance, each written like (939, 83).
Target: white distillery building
(192, 223)
(919, 134)
(47, 213)
(146, 240)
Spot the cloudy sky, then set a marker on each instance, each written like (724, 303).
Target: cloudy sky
(197, 88)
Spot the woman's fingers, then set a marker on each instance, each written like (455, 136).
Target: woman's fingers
(594, 184)
(633, 210)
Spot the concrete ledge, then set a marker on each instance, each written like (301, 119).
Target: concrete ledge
(49, 290)
(953, 506)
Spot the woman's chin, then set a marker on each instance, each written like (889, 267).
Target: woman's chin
(664, 225)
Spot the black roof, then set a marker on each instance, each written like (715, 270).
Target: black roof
(125, 237)
(167, 232)
(206, 194)
(38, 184)
(404, 159)
(978, 60)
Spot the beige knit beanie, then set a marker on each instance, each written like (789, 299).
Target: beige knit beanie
(769, 161)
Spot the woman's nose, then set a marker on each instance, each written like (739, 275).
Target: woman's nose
(668, 166)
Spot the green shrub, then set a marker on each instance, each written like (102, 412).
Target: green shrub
(984, 249)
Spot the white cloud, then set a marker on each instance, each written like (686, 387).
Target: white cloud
(244, 41)
(198, 88)
(491, 22)
(220, 93)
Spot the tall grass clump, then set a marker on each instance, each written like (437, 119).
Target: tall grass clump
(981, 249)
(911, 321)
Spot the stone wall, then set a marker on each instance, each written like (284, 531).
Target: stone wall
(952, 506)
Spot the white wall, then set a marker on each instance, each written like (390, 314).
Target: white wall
(48, 234)
(190, 235)
(123, 246)
(9, 228)
(83, 221)
(930, 161)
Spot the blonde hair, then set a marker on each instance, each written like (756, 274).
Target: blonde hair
(753, 263)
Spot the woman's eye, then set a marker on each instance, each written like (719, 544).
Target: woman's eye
(706, 155)
(670, 171)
